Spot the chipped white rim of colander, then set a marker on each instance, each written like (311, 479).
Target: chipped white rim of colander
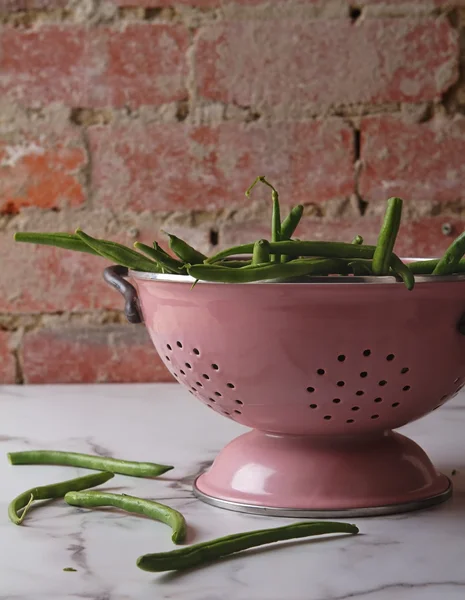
(330, 280)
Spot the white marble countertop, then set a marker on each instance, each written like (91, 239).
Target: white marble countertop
(407, 557)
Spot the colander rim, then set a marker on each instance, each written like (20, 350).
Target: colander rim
(333, 280)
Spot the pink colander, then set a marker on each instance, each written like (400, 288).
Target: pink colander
(322, 372)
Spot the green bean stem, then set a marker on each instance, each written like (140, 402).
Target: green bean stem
(451, 258)
(132, 504)
(184, 251)
(387, 236)
(88, 461)
(167, 262)
(67, 241)
(54, 490)
(118, 253)
(275, 215)
(205, 552)
(403, 271)
(261, 252)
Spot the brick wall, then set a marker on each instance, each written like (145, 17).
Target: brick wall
(125, 117)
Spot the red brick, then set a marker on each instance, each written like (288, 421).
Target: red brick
(293, 62)
(140, 64)
(103, 354)
(417, 161)
(44, 170)
(7, 361)
(169, 166)
(22, 5)
(39, 279)
(424, 238)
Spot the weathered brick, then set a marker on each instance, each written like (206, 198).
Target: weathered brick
(416, 161)
(22, 5)
(94, 67)
(293, 63)
(41, 169)
(171, 166)
(103, 354)
(7, 361)
(424, 238)
(39, 279)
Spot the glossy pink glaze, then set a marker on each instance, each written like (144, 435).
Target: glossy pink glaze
(341, 363)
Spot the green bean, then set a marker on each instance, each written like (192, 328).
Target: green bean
(387, 237)
(234, 264)
(403, 271)
(132, 504)
(68, 241)
(426, 267)
(54, 490)
(167, 262)
(361, 267)
(451, 257)
(275, 215)
(358, 240)
(289, 225)
(261, 252)
(184, 251)
(250, 274)
(118, 253)
(88, 461)
(206, 552)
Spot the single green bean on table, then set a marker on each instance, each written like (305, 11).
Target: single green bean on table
(275, 215)
(67, 241)
(119, 254)
(261, 252)
(206, 552)
(387, 237)
(184, 251)
(132, 504)
(451, 258)
(88, 461)
(53, 490)
(164, 260)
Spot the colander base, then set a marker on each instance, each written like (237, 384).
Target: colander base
(299, 476)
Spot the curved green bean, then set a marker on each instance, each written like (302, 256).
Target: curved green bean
(289, 225)
(261, 252)
(451, 257)
(88, 461)
(403, 271)
(426, 267)
(132, 504)
(167, 262)
(205, 552)
(387, 237)
(54, 490)
(119, 254)
(275, 215)
(185, 251)
(67, 241)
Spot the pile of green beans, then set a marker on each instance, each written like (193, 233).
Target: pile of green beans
(281, 258)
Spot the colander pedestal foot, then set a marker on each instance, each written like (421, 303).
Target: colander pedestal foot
(300, 476)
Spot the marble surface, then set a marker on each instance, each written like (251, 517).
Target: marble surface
(407, 557)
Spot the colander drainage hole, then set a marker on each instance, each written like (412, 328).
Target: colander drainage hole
(359, 393)
(404, 370)
(182, 372)
(239, 402)
(169, 347)
(218, 394)
(375, 416)
(230, 385)
(406, 388)
(178, 344)
(341, 358)
(196, 351)
(238, 412)
(355, 408)
(198, 383)
(336, 400)
(363, 374)
(313, 405)
(188, 365)
(390, 357)
(193, 389)
(382, 382)
(350, 421)
(321, 371)
(378, 400)
(366, 352)
(175, 374)
(215, 367)
(327, 417)
(168, 358)
(212, 399)
(205, 376)
(341, 383)
(311, 390)
(225, 412)
(395, 404)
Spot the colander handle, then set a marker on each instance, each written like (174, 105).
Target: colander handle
(114, 276)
